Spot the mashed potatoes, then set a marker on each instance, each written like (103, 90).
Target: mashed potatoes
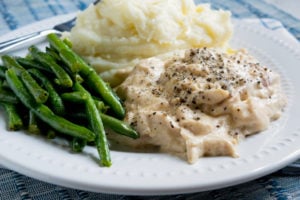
(115, 34)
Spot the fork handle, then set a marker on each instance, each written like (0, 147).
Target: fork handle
(25, 40)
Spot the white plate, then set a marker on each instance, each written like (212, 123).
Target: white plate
(151, 173)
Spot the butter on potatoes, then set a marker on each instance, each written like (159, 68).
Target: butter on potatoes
(115, 34)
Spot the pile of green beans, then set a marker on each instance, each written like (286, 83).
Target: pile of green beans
(56, 93)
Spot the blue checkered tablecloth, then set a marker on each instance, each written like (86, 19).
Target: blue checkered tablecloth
(283, 184)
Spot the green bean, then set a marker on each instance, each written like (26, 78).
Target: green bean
(50, 134)
(97, 126)
(43, 112)
(3, 83)
(14, 120)
(47, 130)
(97, 85)
(10, 62)
(32, 124)
(79, 97)
(55, 100)
(29, 63)
(65, 53)
(78, 78)
(101, 106)
(8, 96)
(118, 126)
(114, 124)
(2, 72)
(77, 144)
(41, 103)
(68, 42)
(53, 54)
(63, 79)
(78, 65)
(76, 97)
(19, 89)
(40, 95)
(62, 125)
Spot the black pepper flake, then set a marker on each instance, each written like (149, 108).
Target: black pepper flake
(171, 124)
(182, 100)
(133, 124)
(218, 126)
(192, 53)
(224, 87)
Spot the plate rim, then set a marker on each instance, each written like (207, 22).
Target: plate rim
(264, 170)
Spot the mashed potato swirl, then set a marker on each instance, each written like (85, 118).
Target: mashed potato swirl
(115, 34)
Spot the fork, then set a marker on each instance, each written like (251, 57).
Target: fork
(20, 42)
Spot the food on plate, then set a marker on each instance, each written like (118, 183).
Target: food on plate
(184, 91)
(114, 35)
(57, 92)
(200, 102)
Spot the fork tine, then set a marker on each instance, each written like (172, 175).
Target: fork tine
(26, 40)
(66, 26)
